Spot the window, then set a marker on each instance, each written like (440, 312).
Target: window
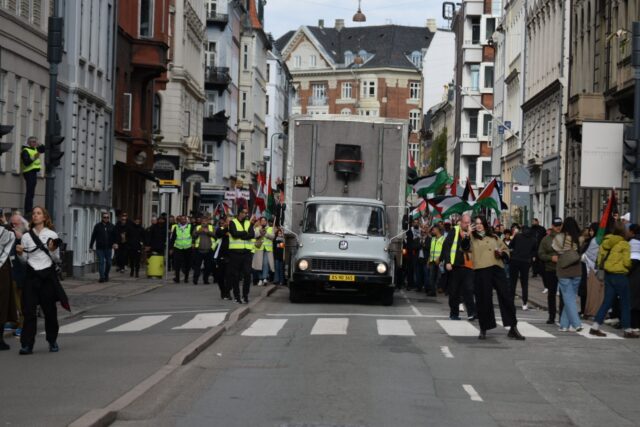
(416, 58)
(157, 108)
(486, 125)
(297, 61)
(490, 27)
(242, 155)
(211, 104)
(126, 111)
(363, 54)
(210, 54)
(473, 124)
(245, 57)
(473, 170)
(3, 99)
(475, 30)
(313, 61)
(319, 91)
(347, 90)
(146, 18)
(267, 105)
(486, 171)
(414, 120)
(268, 72)
(346, 111)
(488, 77)
(187, 127)
(368, 88)
(348, 57)
(414, 150)
(211, 7)
(414, 90)
(208, 152)
(475, 77)
(244, 105)
(496, 7)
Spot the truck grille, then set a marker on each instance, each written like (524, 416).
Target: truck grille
(346, 265)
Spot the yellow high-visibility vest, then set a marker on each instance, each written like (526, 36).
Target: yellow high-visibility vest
(436, 248)
(214, 242)
(35, 164)
(240, 244)
(266, 243)
(183, 237)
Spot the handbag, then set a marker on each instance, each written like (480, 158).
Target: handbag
(56, 266)
(568, 258)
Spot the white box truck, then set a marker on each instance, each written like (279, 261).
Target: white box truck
(345, 199)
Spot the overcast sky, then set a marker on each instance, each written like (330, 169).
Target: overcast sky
(284, 15)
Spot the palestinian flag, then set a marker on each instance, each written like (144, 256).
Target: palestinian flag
(449, 205)
(271, 200)
(434, 213)
(490, 198)
(412, 171)
(419, 210)
(607, 216)
(452, 189)
(468, 195)
(431, 184)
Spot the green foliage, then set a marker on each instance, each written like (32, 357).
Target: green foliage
(438, 155)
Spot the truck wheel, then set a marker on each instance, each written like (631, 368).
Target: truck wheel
(295, 294)
(387, 297)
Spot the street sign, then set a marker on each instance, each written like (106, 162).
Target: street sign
(520, 188)
(168, 183)
(232, 195)
(507, 124)
(168, 190)
(500, 130)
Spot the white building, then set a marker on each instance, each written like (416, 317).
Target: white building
(86, 86)
(545, 105)
(439, 65)
(279, 93)
(182, 103)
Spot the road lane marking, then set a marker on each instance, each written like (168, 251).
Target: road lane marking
(458, 328)
(447, 353)
(83, 324)
(330, 326)
(154, 313)
(204, 321)
(473, 394)
(610, 336)
(394, 327)
(530, 331)
(407, 316)
(139, 324)
(265, 328)
(413, 307)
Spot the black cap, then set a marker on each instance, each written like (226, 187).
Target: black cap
(557, 221)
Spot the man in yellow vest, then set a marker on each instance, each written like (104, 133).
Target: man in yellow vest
(459, 264)
(181, 244)
(241, 243)
(204, 247)
(435, 254)
(30, 166)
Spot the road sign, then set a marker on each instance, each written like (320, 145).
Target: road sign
(507, 124)
(168, 183)
(168, 190)
(500, 130)
(520, 188)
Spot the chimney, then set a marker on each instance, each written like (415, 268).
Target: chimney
(432, 25)
(321, 23)
(339, 24)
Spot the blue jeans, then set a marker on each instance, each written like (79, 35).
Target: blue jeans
(279, 273)
(265, 266)
(104, 262)
(616, 285)
(569, 290)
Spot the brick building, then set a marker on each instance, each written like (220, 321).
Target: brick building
(368, 70)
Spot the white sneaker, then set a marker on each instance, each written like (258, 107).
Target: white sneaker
(461, 308)
(260, 282)
(545, 290)
(525, 307)
(611, 321)
(563, 329)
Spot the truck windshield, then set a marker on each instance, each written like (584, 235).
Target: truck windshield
(344, 219)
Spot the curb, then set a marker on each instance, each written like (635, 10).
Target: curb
(106, 416)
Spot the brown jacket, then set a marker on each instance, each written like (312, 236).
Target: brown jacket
(482, 252)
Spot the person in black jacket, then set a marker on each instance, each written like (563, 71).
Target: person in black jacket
(460, 267)
(241, 235)
(104, 237)
(538, 232)
(413, 248)
(136, 238)
(523, 250)
(221, 258)
(157, 236)
(122, 252)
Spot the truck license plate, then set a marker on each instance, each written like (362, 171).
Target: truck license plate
(342, 277)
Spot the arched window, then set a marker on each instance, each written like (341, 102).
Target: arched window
(348, 57)
(416, 58)
(345, 111)
(157, 108)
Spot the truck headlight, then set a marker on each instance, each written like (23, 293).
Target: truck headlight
(381, 268)
(303, 265)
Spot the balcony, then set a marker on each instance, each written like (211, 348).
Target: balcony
(215, 128)
(471, 100)
(586, 106)
(471, 55)
(474, 8)
(149, 57)
(318, 101)
(216, 78)
(217, 19)
(469, 148)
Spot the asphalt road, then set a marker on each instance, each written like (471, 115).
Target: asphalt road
(344, 363)
(103, 353)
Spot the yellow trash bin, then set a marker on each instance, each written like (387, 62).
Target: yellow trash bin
(155, 266)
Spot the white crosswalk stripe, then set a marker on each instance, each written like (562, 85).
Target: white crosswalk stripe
(458, 328)
(265, 328)
(530, 331)
(139, 324)
(610, 336)
(83, 324)
(395, 327)
(330, 326)
(204, 321)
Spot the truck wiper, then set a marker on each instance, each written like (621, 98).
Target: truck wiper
(333, 233)
(364, 236)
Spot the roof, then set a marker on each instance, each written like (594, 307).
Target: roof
(391, 45)
(345, 200)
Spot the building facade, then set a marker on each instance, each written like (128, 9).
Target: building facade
(24, 92)
(473, 24)
(601, 43)
(368, 70)
(86, 86)
(141, 65)
(544, 105)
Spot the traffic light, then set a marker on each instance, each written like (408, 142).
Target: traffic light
(630, 149)
(53, 144)
(5, 146)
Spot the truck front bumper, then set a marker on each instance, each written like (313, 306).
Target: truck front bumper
(321, 282)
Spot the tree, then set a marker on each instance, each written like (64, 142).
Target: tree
(438, 155)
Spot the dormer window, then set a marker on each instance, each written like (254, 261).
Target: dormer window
(416, 58)
(364, 55)
(348, 57)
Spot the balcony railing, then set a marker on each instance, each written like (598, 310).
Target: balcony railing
(215, 128)
(217, 18)
(216, 77)
(319, 101)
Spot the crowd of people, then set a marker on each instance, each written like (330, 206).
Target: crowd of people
(466, 259)
(224, 250)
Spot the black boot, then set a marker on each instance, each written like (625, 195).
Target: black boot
(515, 334)
(483, 335)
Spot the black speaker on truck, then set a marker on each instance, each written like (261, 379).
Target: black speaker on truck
(348, 159)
